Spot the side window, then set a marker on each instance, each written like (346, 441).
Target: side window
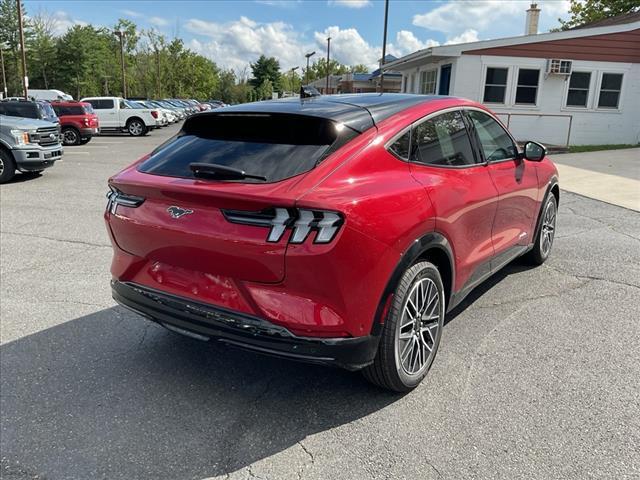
(495, 85)
(123, 105)
(442, 140)
(496, 143)
(400, 148)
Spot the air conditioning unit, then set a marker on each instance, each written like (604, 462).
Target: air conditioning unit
(555, 66)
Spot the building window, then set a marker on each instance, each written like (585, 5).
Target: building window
(610, 88)
(495, 85)
(527, 88)
(428, 82)
(411, 81)
(578, 89)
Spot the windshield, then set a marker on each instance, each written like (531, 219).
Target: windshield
(275, 146)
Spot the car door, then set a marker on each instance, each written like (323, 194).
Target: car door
(107, 113)
(464, 196)
(516, 181)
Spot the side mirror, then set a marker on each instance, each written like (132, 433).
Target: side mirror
(534, 151)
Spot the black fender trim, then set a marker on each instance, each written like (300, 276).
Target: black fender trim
(553, 181)
(420, 245)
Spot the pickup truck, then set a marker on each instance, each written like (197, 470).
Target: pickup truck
(115, 115)
(27, 145)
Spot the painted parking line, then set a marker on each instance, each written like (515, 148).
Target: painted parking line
(76, 152)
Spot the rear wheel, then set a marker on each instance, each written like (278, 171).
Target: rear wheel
(84, 141)
(546, 233)
(412, 330)
(7, 166)
(136, 128)
(70, 136)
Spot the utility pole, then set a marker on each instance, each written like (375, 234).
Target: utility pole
(306, 72)
(25, 80)
(328, 69)
(4, 77)
(158, 73)
(121, 34)
(384, 45)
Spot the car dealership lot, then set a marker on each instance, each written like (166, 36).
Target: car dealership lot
(536, 376)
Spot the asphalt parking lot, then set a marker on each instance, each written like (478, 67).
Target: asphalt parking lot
(537, 374)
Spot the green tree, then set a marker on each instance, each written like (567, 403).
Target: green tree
(359, 68)
(587, 11)
(42, 49)
(265, 90)
(265, 69)
(319, 69)
(10, 43)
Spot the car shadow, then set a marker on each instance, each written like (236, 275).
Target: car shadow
(110, 395)
(24, 177)
(516, 266)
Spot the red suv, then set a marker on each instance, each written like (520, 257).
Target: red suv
(78, 121)
(336, 230)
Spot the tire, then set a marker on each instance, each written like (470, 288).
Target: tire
(136, 128)
(545, 232)
(84, 141)
(70, 136)
(7, 166)
(408, 346)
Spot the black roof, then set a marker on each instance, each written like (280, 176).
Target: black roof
(359, 111)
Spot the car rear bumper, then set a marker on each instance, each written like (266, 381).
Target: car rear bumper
(206, 321)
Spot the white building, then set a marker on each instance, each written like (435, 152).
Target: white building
(575, 87)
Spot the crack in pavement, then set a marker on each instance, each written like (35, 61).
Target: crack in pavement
(53, 239)
(590, 277)
(602, 223)
(311, 456)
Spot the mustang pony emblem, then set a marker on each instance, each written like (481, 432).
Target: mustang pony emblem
(177, 212)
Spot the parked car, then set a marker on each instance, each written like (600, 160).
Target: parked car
(115, 115)
(36, 109)
(49, 95)
(78, 121)
(161, 118)
(334, 230)
(27, 145)
(177, 112)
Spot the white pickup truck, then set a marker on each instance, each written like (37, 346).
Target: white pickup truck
(115, 115)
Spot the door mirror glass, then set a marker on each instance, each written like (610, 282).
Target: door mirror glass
(534, 151)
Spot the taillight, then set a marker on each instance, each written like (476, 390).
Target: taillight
(115, 197)
(301, 221)
(154, 113)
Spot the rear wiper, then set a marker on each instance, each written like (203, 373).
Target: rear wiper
(221, 172)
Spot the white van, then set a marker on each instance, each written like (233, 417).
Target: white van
(49, 95)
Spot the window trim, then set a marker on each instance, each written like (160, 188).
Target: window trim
(596, 100)
(589, 92)
(506, 99)
(516, 85)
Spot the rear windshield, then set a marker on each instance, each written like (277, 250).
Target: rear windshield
(20, 109)
(275, 146)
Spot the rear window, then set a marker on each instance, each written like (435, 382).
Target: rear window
(275, 146)
(20, 109)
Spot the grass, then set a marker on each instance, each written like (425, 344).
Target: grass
(595, 148)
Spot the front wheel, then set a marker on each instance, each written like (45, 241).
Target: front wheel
(70, 136)
(546, 232)
(412, 330)
(136, 128)
(7, 166)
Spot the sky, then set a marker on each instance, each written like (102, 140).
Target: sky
(234, 33)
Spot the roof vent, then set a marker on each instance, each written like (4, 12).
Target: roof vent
(533, 16)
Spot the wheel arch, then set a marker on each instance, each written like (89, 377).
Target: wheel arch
(131, 119)
(433, 247)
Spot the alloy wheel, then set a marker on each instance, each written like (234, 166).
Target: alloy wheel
(1, 166)
(419, 326)
(70, 137)
(548, 228)
(135, 128)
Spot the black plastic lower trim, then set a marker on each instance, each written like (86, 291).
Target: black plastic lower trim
(241, 330)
